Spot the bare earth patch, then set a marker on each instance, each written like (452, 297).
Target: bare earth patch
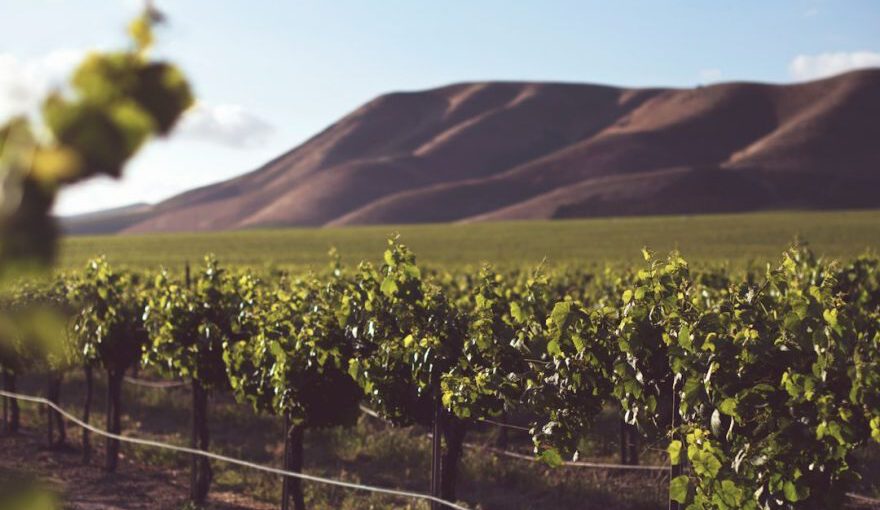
(88, 487)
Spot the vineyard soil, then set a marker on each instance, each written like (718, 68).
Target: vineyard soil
(371, 453)
(135, 486)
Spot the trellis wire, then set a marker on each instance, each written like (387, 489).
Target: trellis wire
(230, 460)
(366, 410)
(507, 453)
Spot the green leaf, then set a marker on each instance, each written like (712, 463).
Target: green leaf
(560, 314)
(276, 349)
(730, 494)
(552, 458)
(684, 337)
(134, 124)
(640, 293)
(794, 492)
(164, 93)
(830, 317)
(141, 31)
(789, 264)
(728, 407)
(578, 342)
(678, 488)
(412, 271)
(516, 312)
(703, 462)
(389, 286)
(674, 450)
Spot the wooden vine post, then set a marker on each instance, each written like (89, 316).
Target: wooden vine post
(437, 448)
(676, 469)
(87, 407)
(291, 488)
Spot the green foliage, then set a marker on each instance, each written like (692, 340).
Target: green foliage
(488, 376)
(407, 335)
(767, 399)
(774, 374)
(109, 327)
(190, 324)
(652, 309)
(33, 318)
(859, 284)
(569, 388)
(17, 494)
(116, 102)
(119, 100)
(292, 353)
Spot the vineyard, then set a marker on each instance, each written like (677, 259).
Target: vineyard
(613, 378)
(762, 386)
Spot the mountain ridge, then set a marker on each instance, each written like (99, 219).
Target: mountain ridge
(489, 151)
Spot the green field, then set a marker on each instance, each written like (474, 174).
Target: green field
(738, 239)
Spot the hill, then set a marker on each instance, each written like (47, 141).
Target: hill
(503, 150)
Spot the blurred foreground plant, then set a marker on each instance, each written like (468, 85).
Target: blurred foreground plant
(18, 494)
(115, 103)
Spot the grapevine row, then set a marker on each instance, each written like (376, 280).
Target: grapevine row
(762, 385)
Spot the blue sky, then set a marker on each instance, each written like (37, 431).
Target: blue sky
(271, 73)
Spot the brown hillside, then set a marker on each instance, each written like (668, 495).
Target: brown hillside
(498, 151)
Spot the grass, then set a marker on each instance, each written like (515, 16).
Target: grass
(738, 239)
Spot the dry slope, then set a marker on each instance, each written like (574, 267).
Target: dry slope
(502, 150)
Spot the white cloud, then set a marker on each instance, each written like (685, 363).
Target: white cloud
(710, 75)
(809, 67)
(811, 12)
(226, 124)
(24, 82)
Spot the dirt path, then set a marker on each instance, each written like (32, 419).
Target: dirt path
(88, 487)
